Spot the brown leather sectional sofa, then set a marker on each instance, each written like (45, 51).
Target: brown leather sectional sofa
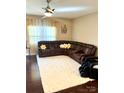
(76, 50)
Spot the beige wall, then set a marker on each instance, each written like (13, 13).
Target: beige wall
(59, 23)
(85, 29)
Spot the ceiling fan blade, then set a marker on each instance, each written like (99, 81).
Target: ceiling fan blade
(50, 10)
(53, 9)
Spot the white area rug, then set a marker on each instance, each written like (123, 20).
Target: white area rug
(59, 72)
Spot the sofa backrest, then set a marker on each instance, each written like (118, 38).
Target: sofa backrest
(53, 48)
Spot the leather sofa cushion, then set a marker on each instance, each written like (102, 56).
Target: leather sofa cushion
(79, 51)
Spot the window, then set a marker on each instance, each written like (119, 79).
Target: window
(41, 33)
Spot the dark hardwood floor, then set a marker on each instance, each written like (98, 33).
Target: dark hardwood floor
(89, 87)
(33, 80)
(34, 84)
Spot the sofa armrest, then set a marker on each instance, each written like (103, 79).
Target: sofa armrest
(86, 57)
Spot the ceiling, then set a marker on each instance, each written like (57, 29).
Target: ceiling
(63, 8)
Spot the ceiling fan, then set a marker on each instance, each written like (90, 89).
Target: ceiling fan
(48, 10)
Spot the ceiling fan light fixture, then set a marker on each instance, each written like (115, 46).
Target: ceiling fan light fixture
(48, 14)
